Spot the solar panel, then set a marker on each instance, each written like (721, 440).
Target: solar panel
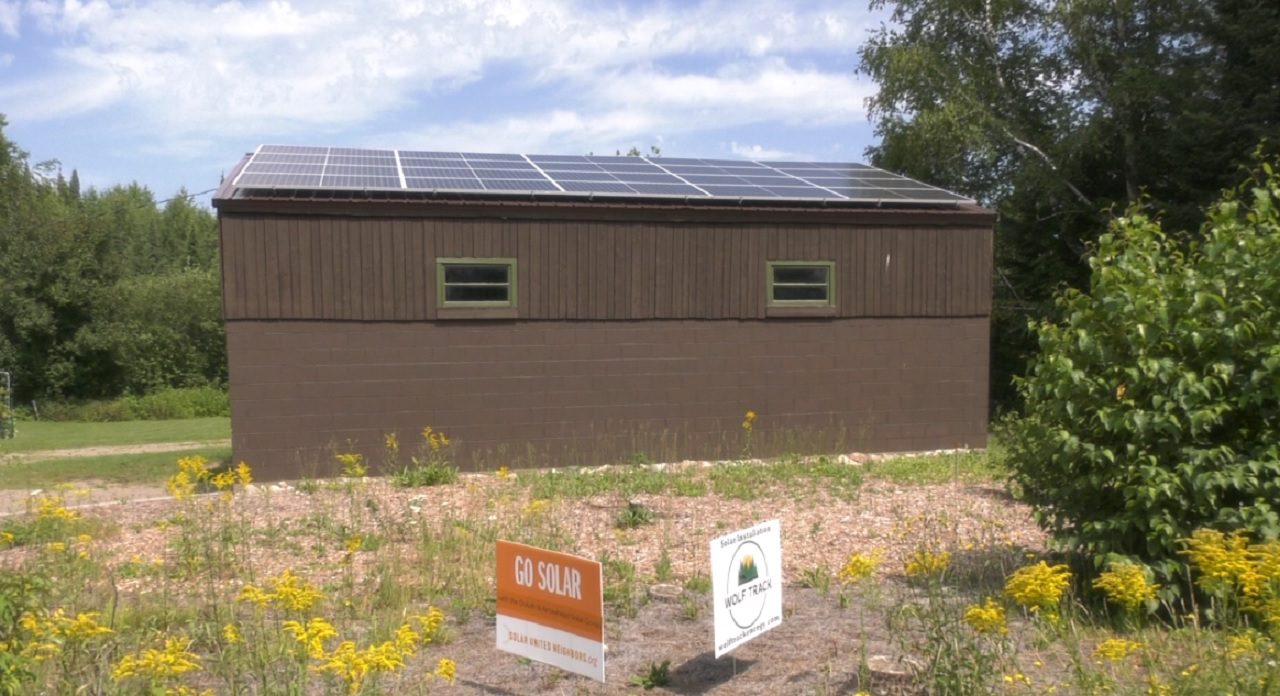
(517, 185)
(585, 176)
(293, 167)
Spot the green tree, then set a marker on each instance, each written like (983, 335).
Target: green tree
(1056, 112)
(153, 331)
(84, 272)
(1152, 408)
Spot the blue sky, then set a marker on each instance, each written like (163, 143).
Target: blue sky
(171, 93)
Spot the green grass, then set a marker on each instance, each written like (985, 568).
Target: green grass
(740, 481)
(45, 435)
(752, 481)
(625, 481)
(973, 467)
(116, 468)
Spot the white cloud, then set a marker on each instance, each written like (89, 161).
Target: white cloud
(551, 131)
(742, 93)
(10, 18)
(189, 72)
(643, 107)
(760, 152)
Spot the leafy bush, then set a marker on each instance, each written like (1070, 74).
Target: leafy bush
(165, 404)
(158, 331)
(1153, 406)
(20, 594)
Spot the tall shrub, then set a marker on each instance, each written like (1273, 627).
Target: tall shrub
(1153, 406)
(157, 331)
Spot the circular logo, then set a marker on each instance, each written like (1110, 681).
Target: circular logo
(748, 583)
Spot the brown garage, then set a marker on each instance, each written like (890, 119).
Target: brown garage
(581, 310)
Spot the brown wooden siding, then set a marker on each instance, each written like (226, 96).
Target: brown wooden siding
(383, 269)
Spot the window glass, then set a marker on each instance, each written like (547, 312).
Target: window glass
(476, 282)
(801, 283)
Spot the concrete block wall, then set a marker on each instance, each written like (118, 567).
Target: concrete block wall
(522, 393)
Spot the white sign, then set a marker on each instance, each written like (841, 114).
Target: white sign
(746, 584)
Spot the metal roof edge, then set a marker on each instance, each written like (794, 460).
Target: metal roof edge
(965, 214)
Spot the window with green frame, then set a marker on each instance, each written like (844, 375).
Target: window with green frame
(476, 282)
(802, 283)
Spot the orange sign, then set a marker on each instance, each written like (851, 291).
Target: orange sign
(551, 608)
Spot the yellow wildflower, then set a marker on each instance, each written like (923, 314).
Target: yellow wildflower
(926, 563)
(82, 627)
(7, 538)
(56, 546)
(1126, 584)
(253, 594)
(352, 465)
(353, 666)
(191, 472)
(156, 665)
(749, 420)
(312, 636)
(287, 590)
(352, 545)
(1039, 588)
(83, 538)
(1115, 649)
(987, 617)
(244, 474)
(434, 439)
(447, 670)
(859, 566)
(53, 507)
(406, 640)
(429, 624)
(184, 690)
(231, 634)
(294, 593)
(223, 481)
(1156, 687)
(1223, 561)
(1244, 645)
(503, 472)
(536, 507)
(45, 634)
(392, 442)
(1270, 613)
(180, 486)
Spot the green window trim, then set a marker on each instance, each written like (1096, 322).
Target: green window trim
(798, 286)
(478, 286)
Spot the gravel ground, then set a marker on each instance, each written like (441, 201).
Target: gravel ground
(817, 649)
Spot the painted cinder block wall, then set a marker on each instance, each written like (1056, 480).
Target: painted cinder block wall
(638, 329)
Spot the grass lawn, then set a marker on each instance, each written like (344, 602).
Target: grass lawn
(152, 467)
(45, 435)
(971, 467)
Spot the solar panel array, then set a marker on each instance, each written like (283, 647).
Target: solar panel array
(339, 168)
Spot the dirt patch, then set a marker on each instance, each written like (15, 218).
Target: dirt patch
(84, 495)
(106, 451)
